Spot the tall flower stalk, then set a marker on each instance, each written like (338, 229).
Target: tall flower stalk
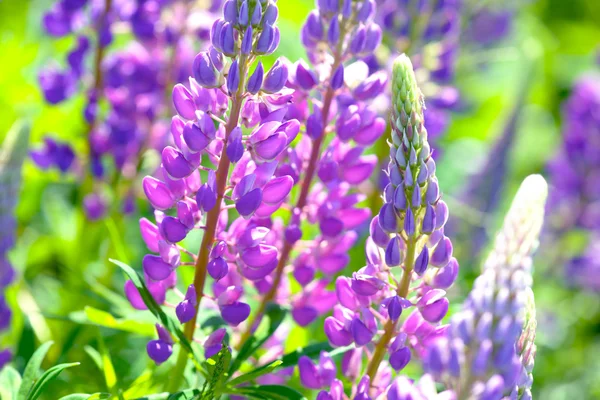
(574, 203)
(229, 91)
(127, 90)
(410, 261)
(489, 343)
(12, 154)
(330, 100)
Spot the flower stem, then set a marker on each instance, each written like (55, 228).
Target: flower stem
(390, 327)
(212, 220)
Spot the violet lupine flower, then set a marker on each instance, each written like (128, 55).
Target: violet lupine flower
(429, 33)
(410, 263)
(208, 125)
(483, 352)
(54, 154)
(575, 199)
(526, 350)
(491, 23)
(400, 388)
(12, 153)
(584, 270)
(330, 99)
(133, 82)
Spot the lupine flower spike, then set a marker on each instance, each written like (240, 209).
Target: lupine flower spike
(332, 92)
(12, 153)
(227, 86)
(489, 343)
(410, 263)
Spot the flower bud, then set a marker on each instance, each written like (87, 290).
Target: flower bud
(276, 78)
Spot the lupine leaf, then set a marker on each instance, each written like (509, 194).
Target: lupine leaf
(105, 319)
(32, 370)
(149, 301)
(84, 396)
(107, 366)
(10, 380)
(270, 392)
(275, 315)
(252, 375)
(46, 378)
(216, 366)
(157, 396)
(188, 394)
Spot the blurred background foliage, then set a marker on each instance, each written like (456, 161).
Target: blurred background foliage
(68, 286)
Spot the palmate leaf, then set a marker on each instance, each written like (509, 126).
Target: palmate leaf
(269, 392)
(149, 301)
(275, 315)
(189, 394)
(32, 370)
(217, 366)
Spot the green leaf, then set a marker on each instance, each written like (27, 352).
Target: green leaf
(94, 355)
(252, 375)
(107, 320)
(157, 396)
(47, 377)
(149, 301)
(216, 367)
(84, 396)
(32, 370)
(270, 392)
(9, 383)
(110, 376)
(188, 394)
(275, 315)
(311, 351)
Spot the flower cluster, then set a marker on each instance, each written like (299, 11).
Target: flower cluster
(429, 33)
(487, 351)
(132, 82)
(331, 95)
(211, 115)
(575, 200)
(410, 263)
(12, 153)
(490, 23)
(235, 113)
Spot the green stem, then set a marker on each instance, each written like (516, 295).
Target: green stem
(212, 220)
(390, 327)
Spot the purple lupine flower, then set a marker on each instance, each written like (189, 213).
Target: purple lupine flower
(417, 30)
(574, 202)
(328, 162)
(54, 154)
(188, 195)
(485, 343)
(490, 24)
(125, 89)
(526, 350)
(12, 154)
(317, 376)
(407, 236)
